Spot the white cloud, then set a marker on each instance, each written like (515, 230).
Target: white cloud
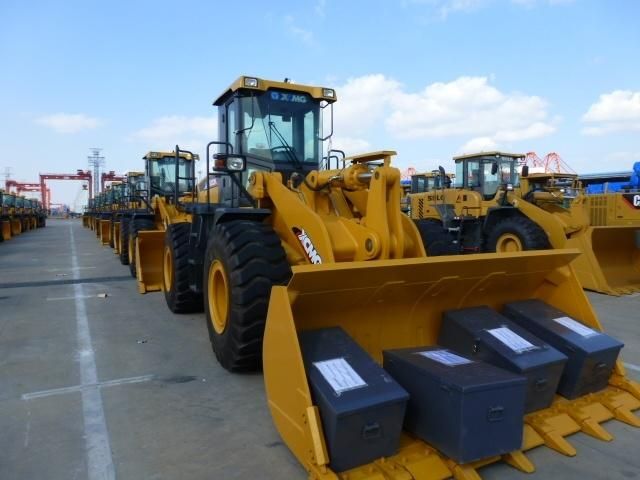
(350, 145)
(445, 8)
(177, 125)
(454, 6)
(68, 122)
(320, 8)
(479, 144)
(534, 3)
(190, 133)
(613, 112)
(363, 102)
(305, 36)
(469, 108)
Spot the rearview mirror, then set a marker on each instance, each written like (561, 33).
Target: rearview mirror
(494, 168)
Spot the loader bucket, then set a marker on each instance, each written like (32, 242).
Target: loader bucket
(149, 248)
(16, 227)
(105, 232)
(399, 303)
(116, 238)
(6, 229)
(610, 260)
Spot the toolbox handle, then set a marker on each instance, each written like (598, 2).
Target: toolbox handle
(495, 414)
(541, 384)
(371, 431)
(599, 368)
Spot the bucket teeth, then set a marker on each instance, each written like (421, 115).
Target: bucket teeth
(622, 404)
(589, 414)
(464, 472)
(520, 461)
(553, 427)
(594, 429)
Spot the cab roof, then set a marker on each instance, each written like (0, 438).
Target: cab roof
(494, 153)
(261, 85)
(184, 155)
(550, 175)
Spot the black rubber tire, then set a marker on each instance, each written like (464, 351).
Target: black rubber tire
(180, 298)
(124, 241)
(436, 240)
(253, 261)
(134, 227)
(530, 234)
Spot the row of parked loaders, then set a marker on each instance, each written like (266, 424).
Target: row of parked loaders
(375, 365)
(473, 396)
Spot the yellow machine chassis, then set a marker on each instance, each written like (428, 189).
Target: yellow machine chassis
(399, 303)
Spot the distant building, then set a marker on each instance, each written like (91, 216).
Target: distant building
(605, 182)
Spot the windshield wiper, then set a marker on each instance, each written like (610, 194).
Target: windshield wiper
(283, 142)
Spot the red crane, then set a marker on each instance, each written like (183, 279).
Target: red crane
(554, 163)
(13, 186)
(110, 177)
(79, 175)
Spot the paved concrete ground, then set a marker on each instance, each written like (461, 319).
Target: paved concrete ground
(164, 409)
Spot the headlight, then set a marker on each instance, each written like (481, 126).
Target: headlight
(228, 162)
(328, 92)
(509, 187)
(235, 164)
(250, 82)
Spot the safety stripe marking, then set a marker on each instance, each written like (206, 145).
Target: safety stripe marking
(80, 388)
(98, 446)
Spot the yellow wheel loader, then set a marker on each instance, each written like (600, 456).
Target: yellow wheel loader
(5, 216)
(131, 201)
(168, 182)
(492, 208)
(614, 209)
(278, 249)
(14, 216)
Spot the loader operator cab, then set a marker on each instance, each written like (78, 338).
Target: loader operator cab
(169, 175)
(486, 173)
(135, 187)
(275, 126)
(428, 182)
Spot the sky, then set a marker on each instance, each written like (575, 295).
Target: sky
(428, 78)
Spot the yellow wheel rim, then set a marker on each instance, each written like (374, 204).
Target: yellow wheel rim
(509, 243)
(218, 296)
(167, 269)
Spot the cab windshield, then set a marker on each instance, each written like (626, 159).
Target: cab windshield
(280, 126)
(478, 174)
(162, 175)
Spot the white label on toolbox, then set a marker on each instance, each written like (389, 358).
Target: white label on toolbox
(512, 340)
(340, 375)
(445, 357)
(577, 327)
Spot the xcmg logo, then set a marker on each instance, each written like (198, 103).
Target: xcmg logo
(307, 245)
(633, 199)
(288, 97)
